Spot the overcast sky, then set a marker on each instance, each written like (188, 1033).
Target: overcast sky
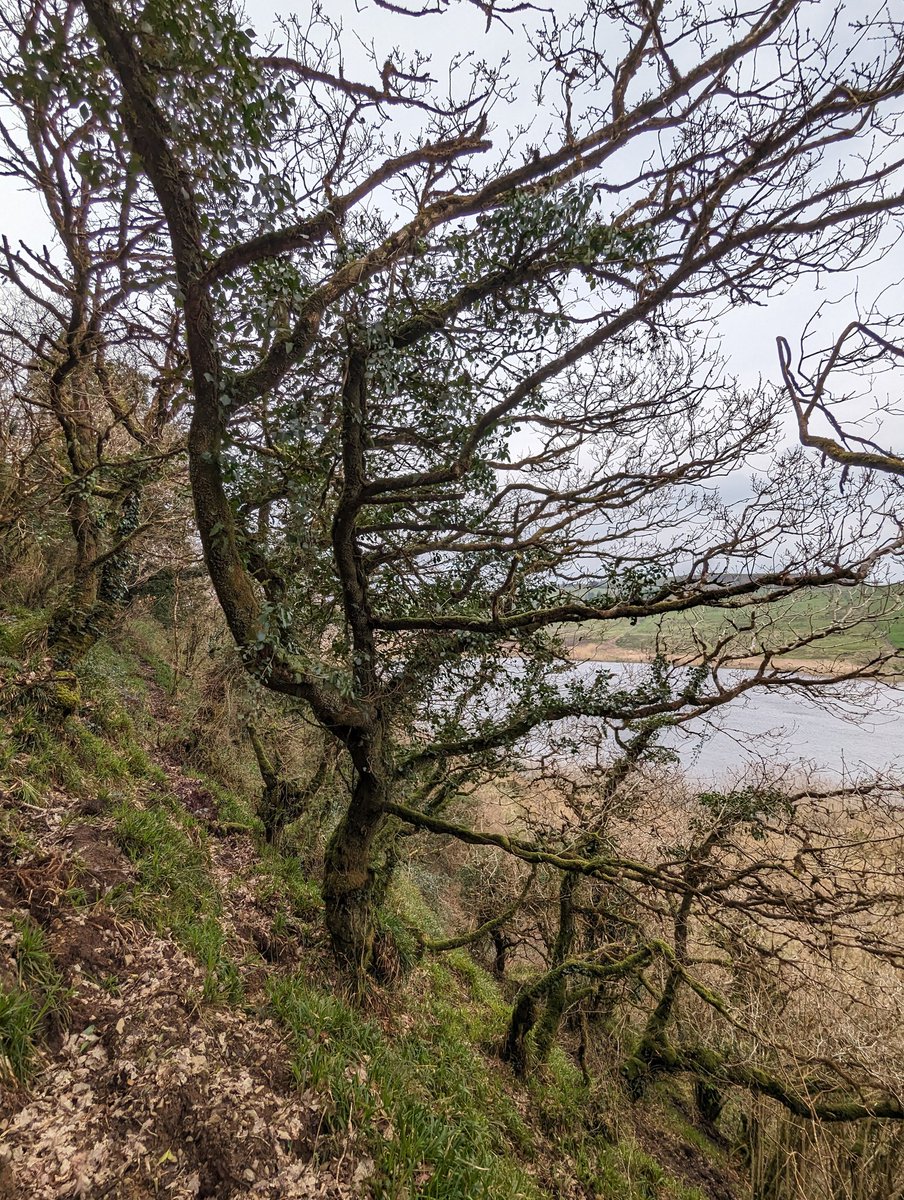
(748, 333)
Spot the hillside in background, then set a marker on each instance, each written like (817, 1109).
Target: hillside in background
(873, 621)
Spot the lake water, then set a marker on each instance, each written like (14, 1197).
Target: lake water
(863, 733)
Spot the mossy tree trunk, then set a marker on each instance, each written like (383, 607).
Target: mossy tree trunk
(357, 866)
(515, 1047)
(557, 995)
(102, 577)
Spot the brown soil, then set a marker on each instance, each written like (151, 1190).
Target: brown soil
(686, 1163)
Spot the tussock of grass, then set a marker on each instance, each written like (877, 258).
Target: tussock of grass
(640, 1177)
(282, 877)
(75, 732)
(624, 1171)
(33, 998)
(175, 892)
(19, 1028)
(19, 627)
(232, 808)
(434, 1122)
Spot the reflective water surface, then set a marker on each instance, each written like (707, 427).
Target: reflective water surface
(843, 731)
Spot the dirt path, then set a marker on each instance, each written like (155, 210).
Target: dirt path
(143, 1089)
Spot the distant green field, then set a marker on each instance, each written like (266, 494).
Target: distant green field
(862, 621)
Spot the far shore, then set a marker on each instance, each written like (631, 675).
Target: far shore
(593, 651)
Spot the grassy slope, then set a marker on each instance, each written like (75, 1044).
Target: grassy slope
(879, 613)
(131, 890)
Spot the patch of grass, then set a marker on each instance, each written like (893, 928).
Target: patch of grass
(481, 985)
(412, 900)
(51, 759)
(80, 745)
(231, 807)
(407, 910)
(647, 1178)
(19, 1026)
(77, 897)
(175, 892)
(877, 611)
(896, 633)
(43, 748)
(559, 1092)
(403, 940)
(73, 756)
(151, 639)
(164, 675)
(673, 1099)
(283, 877)
(436, 1123)
(14, 839)
(624, 1171)
(105, 670)
(119, 708)
(36, 997)
(111, 985)
(19, 627)
(95, 755)
(34, 965)
(591, 1127)
(205, 939)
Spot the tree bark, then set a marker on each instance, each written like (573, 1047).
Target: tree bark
(557, 996)
(354, 879)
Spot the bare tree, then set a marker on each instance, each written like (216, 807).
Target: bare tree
(90, 360)
(789, 921)
(450, 383)
(751, 938)
(860, 350)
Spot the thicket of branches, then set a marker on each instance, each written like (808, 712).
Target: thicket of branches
(451, 390)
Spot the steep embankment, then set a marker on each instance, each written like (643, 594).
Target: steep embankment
(171, 1024)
